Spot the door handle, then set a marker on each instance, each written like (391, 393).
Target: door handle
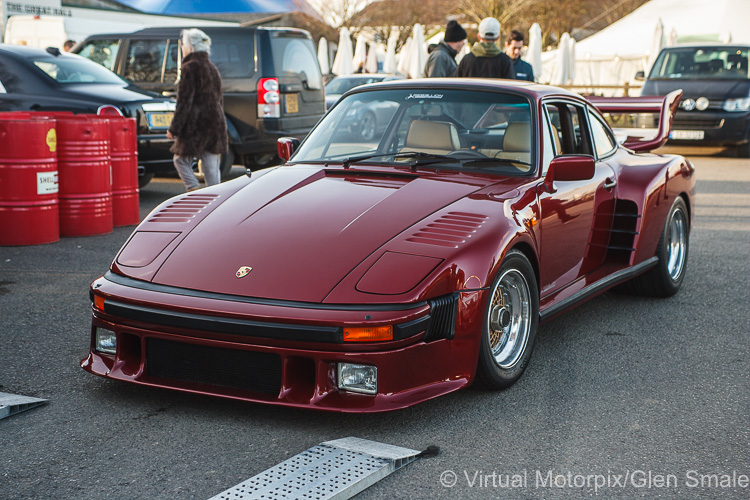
(609, 183)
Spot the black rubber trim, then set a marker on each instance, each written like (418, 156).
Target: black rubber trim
(414, 327)
(154, 287)
(594, 288)
(280, 331)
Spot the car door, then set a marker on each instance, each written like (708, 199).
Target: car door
(576, 216)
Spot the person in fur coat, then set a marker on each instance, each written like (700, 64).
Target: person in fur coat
(198, 128)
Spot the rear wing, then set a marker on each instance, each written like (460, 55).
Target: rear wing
(666, 106)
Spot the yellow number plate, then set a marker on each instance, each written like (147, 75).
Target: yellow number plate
(291, 103)
(160, 120)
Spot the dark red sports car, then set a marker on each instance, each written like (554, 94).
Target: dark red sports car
(373, 275)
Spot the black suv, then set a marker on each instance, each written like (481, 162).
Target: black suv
(271, 80)
(715, 106)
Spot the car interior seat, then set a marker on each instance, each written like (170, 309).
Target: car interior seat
(517, 143)
(432, 137)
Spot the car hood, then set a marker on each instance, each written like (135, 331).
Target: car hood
(715, 90)
(302, 230)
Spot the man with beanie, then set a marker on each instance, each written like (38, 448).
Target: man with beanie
(486, 59)
(441, 61)
(513, 46)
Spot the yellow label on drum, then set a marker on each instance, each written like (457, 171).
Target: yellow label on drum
(52, 140)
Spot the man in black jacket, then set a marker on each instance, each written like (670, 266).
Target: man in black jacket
(486, 59)
(441, 61)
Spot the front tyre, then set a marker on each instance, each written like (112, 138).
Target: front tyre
(665, 279)
(510, 324)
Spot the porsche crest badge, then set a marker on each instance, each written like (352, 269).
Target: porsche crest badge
(243, 271)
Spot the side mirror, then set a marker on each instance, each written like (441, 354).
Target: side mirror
(286, 146)
(570, 168)
(640, 76)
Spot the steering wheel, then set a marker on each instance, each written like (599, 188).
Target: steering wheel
(471, 153)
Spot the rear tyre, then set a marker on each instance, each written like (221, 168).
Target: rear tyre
(743, 150)
(367, 126)
(665, 279)
(510, 324)
(144, 179)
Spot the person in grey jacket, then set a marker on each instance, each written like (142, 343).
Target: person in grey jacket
(442, 60)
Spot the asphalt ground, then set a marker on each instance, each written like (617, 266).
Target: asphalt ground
(625, 397)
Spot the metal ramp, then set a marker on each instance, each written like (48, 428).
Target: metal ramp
(10, 404)
(331, 470)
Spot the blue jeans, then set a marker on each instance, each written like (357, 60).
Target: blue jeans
(210, 167)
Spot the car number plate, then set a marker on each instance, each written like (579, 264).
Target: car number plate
(291, 104)
(160, 120)
(688, 135)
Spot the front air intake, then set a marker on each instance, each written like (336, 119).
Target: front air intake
(442, 318)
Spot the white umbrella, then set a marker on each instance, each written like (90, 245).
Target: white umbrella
(371, 66)
(571, 59)
(323, 55)
(672, 40)
(418, 53)
(389, 65)
(560, 75)
(534, 54)
(404, 57)
(657, 43)
(342, 63)
(360, 53)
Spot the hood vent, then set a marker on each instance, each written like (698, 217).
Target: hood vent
(183, 209)
(450, 230)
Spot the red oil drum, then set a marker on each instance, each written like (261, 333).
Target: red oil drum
(123, 146)
(29, 209)
(85, 175)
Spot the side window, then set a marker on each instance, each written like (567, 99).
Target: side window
(145, 60)
(234, 57)
(102, 52)
(550, 144)
(603, 141)
(569, 121)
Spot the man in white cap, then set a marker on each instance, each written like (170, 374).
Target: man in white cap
(486, 59)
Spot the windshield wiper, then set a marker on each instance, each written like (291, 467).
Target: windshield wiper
(418, 155)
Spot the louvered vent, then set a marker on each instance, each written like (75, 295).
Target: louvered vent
(442, 318)
(183, 209)
(450, 230)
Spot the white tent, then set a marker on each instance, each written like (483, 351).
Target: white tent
(614, 54)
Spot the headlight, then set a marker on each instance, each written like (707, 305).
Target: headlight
(740, 104)
(105, 341)
(358, 378)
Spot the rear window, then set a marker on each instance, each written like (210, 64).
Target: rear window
(296, 56)
(699, 63)
(74, 69)
(103, 52)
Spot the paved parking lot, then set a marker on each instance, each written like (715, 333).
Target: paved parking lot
(650, 396)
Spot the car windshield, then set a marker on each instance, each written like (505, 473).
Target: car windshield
(460, 129)
(75, 69)
(339, 86)
(700, 63)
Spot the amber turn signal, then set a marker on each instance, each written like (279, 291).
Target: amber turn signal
(368, 334)
(99, 302)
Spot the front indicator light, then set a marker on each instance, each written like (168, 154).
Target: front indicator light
(358, 378)
(105, 341)
(368, 334)
(99, 302)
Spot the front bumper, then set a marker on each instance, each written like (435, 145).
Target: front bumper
(282, 354)
(718, 128)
